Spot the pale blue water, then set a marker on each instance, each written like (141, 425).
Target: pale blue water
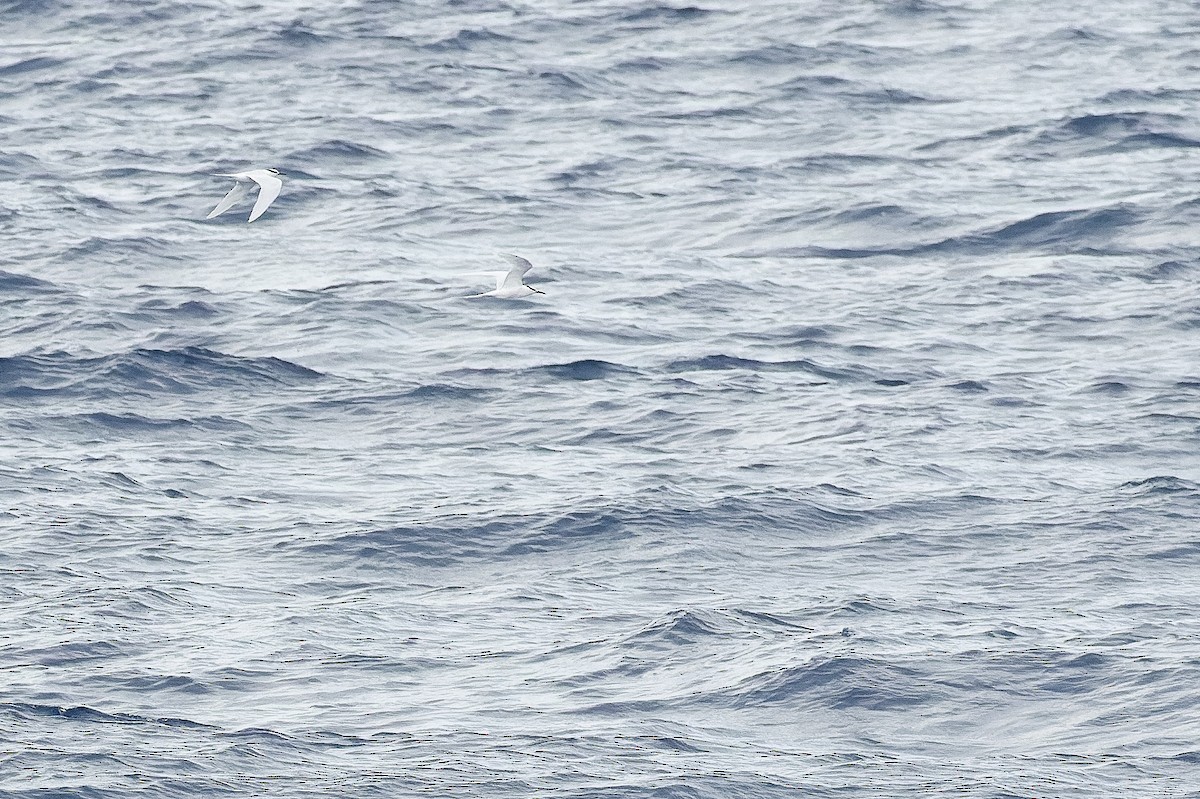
(852, 451)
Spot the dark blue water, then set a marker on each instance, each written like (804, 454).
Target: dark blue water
(851, 452)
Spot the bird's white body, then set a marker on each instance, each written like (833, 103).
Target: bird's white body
(269, 185)
(510, 285)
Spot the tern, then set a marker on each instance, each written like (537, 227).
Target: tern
(509, 285)
(269, 185)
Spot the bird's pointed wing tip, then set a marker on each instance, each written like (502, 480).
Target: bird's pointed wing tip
(520, 264)
(268, 190)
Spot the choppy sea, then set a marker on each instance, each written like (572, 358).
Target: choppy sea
(852, 450)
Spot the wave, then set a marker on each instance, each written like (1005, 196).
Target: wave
(567, 84)
(337, 150)
(836, 681)
(1162, 485)
(1084, 230)
(583, 370)
(1107, 133)
(1074, 229)
(709, 363)
(1084, 135)
(84, 713)
(36, 64)
(469, 39)
(148, 372)
(692, 625)
(297, 33)
(664, 13)
(1164, 271)
(115, 249)
(12, 282)
(439, 392)
(587, 369)
(134, 423)
(188, 309)
(788, 53)
(442, 540)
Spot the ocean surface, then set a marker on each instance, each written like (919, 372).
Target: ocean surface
(852, 451)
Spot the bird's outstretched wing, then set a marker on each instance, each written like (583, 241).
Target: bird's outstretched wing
(513, 277)
(268, 190)
(519, 264)
(236, 193)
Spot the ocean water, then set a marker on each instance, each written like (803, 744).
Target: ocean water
(851, 452)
